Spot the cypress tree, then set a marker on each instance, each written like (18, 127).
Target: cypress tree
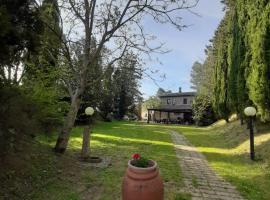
(241, 49)
(220, 98)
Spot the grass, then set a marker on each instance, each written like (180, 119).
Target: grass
(226, 147)
(40, 174)
(67, 179)
(183, 196)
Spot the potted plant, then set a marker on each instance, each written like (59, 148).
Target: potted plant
(142, 180)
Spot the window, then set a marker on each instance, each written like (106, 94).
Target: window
(174, 101)
(168, 101)
(184, 101)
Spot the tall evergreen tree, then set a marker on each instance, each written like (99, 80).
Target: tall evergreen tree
(196, 75)
(220, 97)
(258, 45)
(19, 34)
(107, 94)
(126, 78)
(42, 71)
(241, 49)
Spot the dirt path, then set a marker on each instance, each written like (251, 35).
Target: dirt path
(199, 179)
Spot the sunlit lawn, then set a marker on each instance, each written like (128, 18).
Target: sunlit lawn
(227, 149)
(117, 140)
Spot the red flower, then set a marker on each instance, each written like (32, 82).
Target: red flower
(136, 156)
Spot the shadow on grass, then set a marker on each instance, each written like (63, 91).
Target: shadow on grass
(33, 174)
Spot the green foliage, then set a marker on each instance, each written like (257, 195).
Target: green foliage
(42, 70)
(20, 25)
(126, 85)
(17, 111)
(225, 147)
(51, 109)
(197, 77)
(116, 140)
(202, 80)
(257, 39)
(220, 44)
(183, 196)
(203, 113)
(25, 114)
(42, 67)
(140, 162)
(107, 95)
(33, 106)
(241, 47)
(151, 102)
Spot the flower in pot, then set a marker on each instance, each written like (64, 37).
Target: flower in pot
(142, 180)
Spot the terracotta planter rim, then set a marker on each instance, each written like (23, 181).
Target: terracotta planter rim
(143, 168)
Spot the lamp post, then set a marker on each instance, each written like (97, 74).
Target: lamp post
(89, 111)
(250, 112)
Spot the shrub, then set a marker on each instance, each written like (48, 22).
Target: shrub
(203, 113)
(23, 115)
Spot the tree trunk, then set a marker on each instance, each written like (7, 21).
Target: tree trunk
(86, 142)
(63, 137)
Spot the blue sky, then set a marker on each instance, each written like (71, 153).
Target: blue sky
(187, 46)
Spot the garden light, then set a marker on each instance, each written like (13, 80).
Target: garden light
(251, 112)
(89, 111)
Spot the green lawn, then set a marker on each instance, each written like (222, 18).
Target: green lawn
(226, 147)
(40, 174)
(117, 140)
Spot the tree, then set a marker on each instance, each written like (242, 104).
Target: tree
(107, 94)
(257, 40)
(160, 91)
(20, 27)
(196, 75)
(202, 80)
(125, 81)
(203, 113)
(118, 22)
(42, 69)
(220, 98)
(240, 59)
(19, 36)
(151, 102)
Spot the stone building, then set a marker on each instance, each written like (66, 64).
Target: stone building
(174, 108)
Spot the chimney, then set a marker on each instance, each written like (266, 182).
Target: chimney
(180, 90)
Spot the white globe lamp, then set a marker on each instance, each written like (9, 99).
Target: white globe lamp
(250, 111)
(89, 111)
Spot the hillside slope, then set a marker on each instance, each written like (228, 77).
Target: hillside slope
(226, 147)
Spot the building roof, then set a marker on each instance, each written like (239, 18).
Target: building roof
(178, 94)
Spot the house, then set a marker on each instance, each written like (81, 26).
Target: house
(174, 108)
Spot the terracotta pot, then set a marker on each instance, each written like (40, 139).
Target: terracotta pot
(142, 183)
